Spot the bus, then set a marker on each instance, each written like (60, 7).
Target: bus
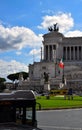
(18, 108)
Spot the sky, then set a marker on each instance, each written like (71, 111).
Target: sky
(24, 22)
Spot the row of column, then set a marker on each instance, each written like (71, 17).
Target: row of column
(49, 52)
(72, 53)
(69, 52)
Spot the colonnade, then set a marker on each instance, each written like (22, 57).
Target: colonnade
(72, 53)
(69, 52)
(49, 52)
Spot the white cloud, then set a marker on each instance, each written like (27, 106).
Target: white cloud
(64, 20)
(18, 38)
(18, 52)
(65, 23)
(34, 52)
(75, 33)
(13, 66)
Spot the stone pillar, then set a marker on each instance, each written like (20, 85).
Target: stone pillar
(51, 53)
(70, 52)
(77, 52)
(54, 54)
(66, 52)
(44, 52)
(74, 53)
(81, 52)
(48, 52)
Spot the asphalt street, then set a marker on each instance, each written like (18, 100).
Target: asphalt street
(66, 119)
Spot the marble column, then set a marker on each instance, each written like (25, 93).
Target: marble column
(74, 53)
(66, 52)
(44, 52)
(70, 53)
(54, 53)
(81, 52)
(77, 52)
(48, 53)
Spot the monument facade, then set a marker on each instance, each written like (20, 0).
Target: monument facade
(56, 47)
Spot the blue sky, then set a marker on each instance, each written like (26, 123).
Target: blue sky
(22, 24)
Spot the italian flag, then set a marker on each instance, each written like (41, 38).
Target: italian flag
(61, 64)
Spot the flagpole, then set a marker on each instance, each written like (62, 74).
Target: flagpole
(63, 71)
(55, 60)
(55, 69)
(63, 76)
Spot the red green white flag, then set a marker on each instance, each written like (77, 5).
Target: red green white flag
(61, 64)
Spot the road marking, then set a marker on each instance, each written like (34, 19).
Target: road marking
(59, 128)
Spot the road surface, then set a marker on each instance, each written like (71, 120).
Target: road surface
(66, 119)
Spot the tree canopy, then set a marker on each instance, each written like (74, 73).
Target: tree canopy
(2, 85)
(15, 76)
(2, 80)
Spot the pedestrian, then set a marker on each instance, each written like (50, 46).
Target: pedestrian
(70, 94)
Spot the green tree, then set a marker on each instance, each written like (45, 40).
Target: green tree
(15, 76)
(12, 77)
(25, 75)
(2, 80)
(2, 84)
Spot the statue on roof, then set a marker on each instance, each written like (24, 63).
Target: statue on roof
(53, 28)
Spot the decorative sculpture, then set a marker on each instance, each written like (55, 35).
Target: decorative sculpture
(46, 77)
(54, 28)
